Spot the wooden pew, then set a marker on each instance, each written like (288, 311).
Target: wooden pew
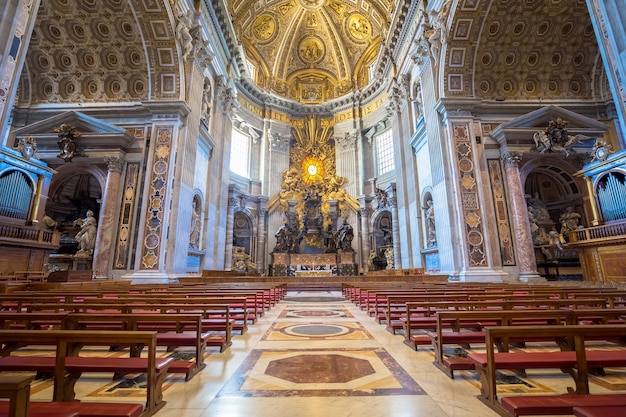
(31, 321)
(215, 317)
(458, 321)
(16, 387)
(173, 330)
(238, 306)
(67, 366)
(600, 411)
(576, 363)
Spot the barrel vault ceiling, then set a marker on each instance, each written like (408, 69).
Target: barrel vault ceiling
(313, 51)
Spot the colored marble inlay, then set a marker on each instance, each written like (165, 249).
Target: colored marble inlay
(470, 198)
(289, 331)
(305, 313)
(156, 200)
(320, 373)
(502, 214)
(126, 217)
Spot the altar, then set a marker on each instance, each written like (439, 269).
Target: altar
(313, 265)
(314, 273)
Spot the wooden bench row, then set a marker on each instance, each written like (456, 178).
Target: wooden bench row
(578, 363)
(464, 328)
(16, 389)
(67, 366)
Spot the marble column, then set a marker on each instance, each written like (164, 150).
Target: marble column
(261, 237)
(592, 202)
(519, 218)
(103, 252)
(230, 225)
(18, 20)
(395, 228)
(365, 237)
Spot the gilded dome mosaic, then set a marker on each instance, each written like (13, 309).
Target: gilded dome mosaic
(311, 50)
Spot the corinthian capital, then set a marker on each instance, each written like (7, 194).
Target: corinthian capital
(511, 159)
(114, 163)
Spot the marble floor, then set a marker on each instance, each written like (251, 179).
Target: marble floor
(317, 355)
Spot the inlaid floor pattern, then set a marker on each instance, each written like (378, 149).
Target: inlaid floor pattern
(315, 354)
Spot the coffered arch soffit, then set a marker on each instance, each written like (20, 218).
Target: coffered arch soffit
(524, 50)
(311, 50)
(101, 51)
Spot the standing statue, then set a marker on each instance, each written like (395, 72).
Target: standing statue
(207, 95)
(389, 257)
(429, 216)
(86, 236)
(284, 239)
(569, 221)
(371, 266)
(330, 239)
(196, 225)
(345, 236)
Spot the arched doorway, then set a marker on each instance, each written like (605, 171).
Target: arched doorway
(555, 207)
(70, 198)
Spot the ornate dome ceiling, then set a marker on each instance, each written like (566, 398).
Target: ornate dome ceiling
(311, 50)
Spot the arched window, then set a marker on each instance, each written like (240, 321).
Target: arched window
(16, 195)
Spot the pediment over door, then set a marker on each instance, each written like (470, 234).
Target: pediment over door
(517, 134)
(96, 139)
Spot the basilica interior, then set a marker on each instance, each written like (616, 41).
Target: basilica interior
(476, 140)
(297, 151)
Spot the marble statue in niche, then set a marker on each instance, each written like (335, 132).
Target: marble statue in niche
(196, 224)
(205, 111)
(429, 219)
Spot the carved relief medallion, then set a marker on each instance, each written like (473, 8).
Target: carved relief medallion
(359, 27)
(312, 4)
(264, 27)
(311, 50)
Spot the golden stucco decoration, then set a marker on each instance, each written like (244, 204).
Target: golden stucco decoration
(312, 171)
(359, 27)
(264, 27)
(311, 50)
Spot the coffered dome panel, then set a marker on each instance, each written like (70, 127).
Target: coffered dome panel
(311, 50)
(526, 50)
(95, 52)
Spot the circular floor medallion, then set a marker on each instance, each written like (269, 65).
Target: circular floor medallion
(319, 330)
(314, 299)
